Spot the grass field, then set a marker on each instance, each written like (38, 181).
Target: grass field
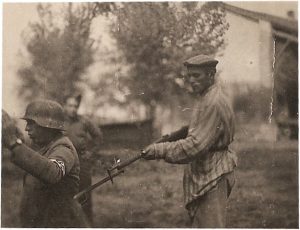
(149, 194)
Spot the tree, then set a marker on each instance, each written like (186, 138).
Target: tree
(154, 39)
(60, 50)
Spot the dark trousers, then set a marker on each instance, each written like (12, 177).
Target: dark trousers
(86, 181)
(211, 207)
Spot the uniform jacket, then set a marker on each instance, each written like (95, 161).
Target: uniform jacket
(86, 137)
(51, 181)
(80, 130)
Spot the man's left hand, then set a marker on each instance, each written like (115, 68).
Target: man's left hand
(9, 130)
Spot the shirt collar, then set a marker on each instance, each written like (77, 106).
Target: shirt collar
(45, 148)
(210, 90)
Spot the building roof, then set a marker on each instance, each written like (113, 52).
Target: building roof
(278, 23)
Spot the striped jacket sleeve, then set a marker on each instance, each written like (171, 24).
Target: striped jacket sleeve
(200, 139)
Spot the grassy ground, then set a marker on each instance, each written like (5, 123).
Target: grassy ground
(149, 194)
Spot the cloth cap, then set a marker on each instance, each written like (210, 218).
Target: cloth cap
(201, 60)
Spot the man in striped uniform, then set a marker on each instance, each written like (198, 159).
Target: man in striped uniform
(208, 176)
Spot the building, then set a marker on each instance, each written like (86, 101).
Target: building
(262, 52)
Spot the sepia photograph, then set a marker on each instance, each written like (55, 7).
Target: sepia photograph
(169, 114)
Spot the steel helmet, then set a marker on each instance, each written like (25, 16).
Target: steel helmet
(45, 113)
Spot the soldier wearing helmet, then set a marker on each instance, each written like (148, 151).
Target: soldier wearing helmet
(52, 172)
(87, 139)
(209, 162)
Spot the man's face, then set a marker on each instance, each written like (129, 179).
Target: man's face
(198, 79)
(71, 107)
(38, 134)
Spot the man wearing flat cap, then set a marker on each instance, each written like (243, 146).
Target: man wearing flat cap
(208, 175)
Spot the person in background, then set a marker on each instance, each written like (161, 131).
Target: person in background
(87, 139)
(203, 148)
(52, 172)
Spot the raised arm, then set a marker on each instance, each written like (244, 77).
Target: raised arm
(49, 170)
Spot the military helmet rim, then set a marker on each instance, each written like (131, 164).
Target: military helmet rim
(45, 113)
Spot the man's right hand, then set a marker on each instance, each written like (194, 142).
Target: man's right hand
(179, 134)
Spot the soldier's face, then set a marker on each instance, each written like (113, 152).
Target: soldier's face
(71, 107)
(36, 133)
(198, 80)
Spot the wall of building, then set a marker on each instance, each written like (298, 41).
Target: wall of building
(240, 60)
(135, 135)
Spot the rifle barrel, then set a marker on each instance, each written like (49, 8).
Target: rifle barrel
(104, 180)
(120, 170)
(129, 161)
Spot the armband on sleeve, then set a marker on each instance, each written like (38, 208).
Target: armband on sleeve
(61, 165)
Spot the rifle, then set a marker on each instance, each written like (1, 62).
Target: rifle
(118, 167)
(115, 170)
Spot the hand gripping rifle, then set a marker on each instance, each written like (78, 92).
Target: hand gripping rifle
(118, 167)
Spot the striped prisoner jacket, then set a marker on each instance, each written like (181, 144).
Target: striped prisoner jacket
(205, 150)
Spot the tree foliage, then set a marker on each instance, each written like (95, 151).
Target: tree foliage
(154, 39)
(60, 50)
